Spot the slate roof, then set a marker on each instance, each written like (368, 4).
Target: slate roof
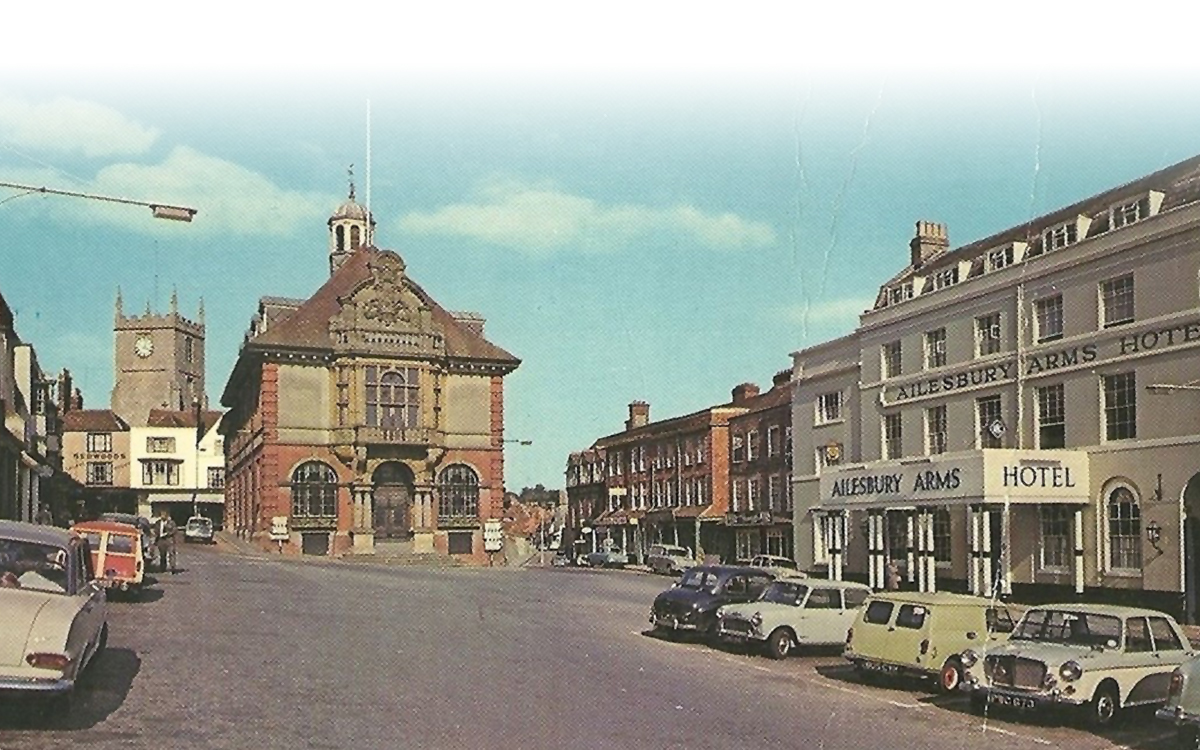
(183, 418)
(93, 420)
(308, 326)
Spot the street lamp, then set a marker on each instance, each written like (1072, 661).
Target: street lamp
(158, 210)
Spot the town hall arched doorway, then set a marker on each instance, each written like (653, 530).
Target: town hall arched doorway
(391, 498)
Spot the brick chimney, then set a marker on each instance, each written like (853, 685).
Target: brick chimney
(472, 321)
(65, 392)
(744, 392)
(639, 415)
(931, 239)
(783, 377)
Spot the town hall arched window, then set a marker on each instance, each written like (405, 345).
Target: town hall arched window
(1124, 530)
(393, 397)
(314, 490)
(458, 492)
(339, 232)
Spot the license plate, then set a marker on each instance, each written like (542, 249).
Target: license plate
(874, 666)
(1011, 701)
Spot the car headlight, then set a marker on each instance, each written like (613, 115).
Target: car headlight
(756, 619)
(969, 658)
(1070, 671)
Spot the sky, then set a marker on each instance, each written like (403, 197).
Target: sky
(648, 202)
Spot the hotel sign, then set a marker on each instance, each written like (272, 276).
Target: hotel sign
(981, 476)
(1048, 361)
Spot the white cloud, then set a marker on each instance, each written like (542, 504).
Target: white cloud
(540, 219)
(68, 126)
(841, 312)
(229, 198)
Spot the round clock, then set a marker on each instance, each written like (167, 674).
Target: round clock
(144, 346)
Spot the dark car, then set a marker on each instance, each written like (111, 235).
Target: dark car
(691, 604)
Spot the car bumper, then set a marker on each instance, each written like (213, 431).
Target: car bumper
(1024, 700)
(1178, 716)
(14, 686)
(671, 622)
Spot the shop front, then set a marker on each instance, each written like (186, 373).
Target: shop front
(956, 518)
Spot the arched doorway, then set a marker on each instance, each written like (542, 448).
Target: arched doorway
(1191, 549)
(391, 498)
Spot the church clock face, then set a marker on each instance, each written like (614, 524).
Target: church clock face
(143, 346)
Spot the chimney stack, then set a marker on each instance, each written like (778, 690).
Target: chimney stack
(931, 239)
(639, 415)
(744, 392)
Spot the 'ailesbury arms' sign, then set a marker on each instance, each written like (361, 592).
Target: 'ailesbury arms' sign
(991, 476)
(1042, 362)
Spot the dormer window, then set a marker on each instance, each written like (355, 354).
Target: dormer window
(1131, 212)
(943, 279)
(1068, 233)
(899, 293)
(1059, 237)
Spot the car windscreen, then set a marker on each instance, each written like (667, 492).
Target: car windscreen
(1071, 628)
(783, 592)
(28, 565)
(698, 579)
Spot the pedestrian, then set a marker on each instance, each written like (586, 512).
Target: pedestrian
(893, 575)
(164, 539)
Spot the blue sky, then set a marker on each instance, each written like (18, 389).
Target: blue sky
(652, 210)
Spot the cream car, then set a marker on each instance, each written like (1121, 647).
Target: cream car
(53, 615)
(794, 611)
(1183, 703)
(1102, 658)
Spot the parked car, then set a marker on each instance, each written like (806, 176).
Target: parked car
(55, 615)
(1183, 703)
(794, 611)
(1102, 658)
(691, 604)
(670, 559)
(562, 559)
(143, 525)
(924, 634)
(780, 566)
(198, 529)
(118, 559)
(607, 558)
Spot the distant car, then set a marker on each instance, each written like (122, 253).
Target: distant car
(670, 559)
(610, 558)
(691, 604)
(794, 611)
(1099, 657)
(55, 616)
(198, 529)
(562, 559)
(118, 559)
(775, 563)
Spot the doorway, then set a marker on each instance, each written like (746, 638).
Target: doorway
(391, 501)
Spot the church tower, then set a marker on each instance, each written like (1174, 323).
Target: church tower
(350, 228)
(158, 361)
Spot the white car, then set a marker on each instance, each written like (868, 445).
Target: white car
(53, 615)
(794, 611)
(780, 566)
(1098, 657)
(670, 559)
(198, 529)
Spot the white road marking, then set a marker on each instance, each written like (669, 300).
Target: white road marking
(1018, 735)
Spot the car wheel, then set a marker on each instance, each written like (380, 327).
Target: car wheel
(1105, 706)
(779, 645)
(950, 677)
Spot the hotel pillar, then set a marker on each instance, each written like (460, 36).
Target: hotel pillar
(1077, 536)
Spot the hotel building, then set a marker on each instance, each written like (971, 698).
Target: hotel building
(1018, 416)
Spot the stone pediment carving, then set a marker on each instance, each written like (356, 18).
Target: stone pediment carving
(384, 314)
